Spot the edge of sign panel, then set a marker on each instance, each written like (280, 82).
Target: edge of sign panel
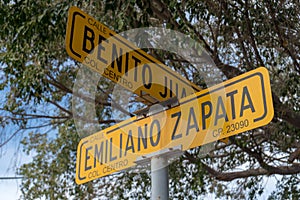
(267, 113)
(262, 72)
(74, 11)
(260, 120)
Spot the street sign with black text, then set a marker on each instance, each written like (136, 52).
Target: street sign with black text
(234, 106)
(111, 55)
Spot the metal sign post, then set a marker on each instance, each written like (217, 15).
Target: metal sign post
(159, 170)
(159, 178)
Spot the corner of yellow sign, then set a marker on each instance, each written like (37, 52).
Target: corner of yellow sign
(270, 113)
(225, 140)
(77, 181)
(74, 8)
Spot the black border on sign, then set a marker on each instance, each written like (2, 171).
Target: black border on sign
(72, 32)
(79, 177)
(189, 100)
(153, 62)
(214, 90)
(184, 81)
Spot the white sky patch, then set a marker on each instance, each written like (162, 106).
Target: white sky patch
(11, 158)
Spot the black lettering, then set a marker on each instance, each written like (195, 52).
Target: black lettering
(116, 59)
(147, 85)
(194, 124)
(111, 158)
(231, 95)
(125, 82)
(126, 63)
(88, 35)
(142, 137)
(154, 143)
(136, 64)
(87, 157)
(90, 21)
(106, 150)
(98, 154)
(164, 95)
(111, 74)
(183, 93)
(106, 71)
(129, 143)
(171, 88)
(117, 77)
(121, 145)
(100, 48)
(250, 103)
(205, 116)
(176, 88)
(220, 104)
(174, 136)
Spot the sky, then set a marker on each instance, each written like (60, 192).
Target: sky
(9, 158)
(10, 189)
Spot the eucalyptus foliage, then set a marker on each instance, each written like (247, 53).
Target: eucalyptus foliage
(37, 76)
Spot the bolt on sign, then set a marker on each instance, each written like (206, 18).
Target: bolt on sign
(234, 106)
(101, 49)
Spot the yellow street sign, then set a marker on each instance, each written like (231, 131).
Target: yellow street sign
(91, 43)
(237, 105)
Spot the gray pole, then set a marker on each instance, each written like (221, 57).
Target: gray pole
(159, 178)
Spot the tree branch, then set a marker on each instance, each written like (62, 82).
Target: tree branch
(199, 36)
(252, 40)
(281, 37)
(295, 155)
(61, 108)
(229, 176)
